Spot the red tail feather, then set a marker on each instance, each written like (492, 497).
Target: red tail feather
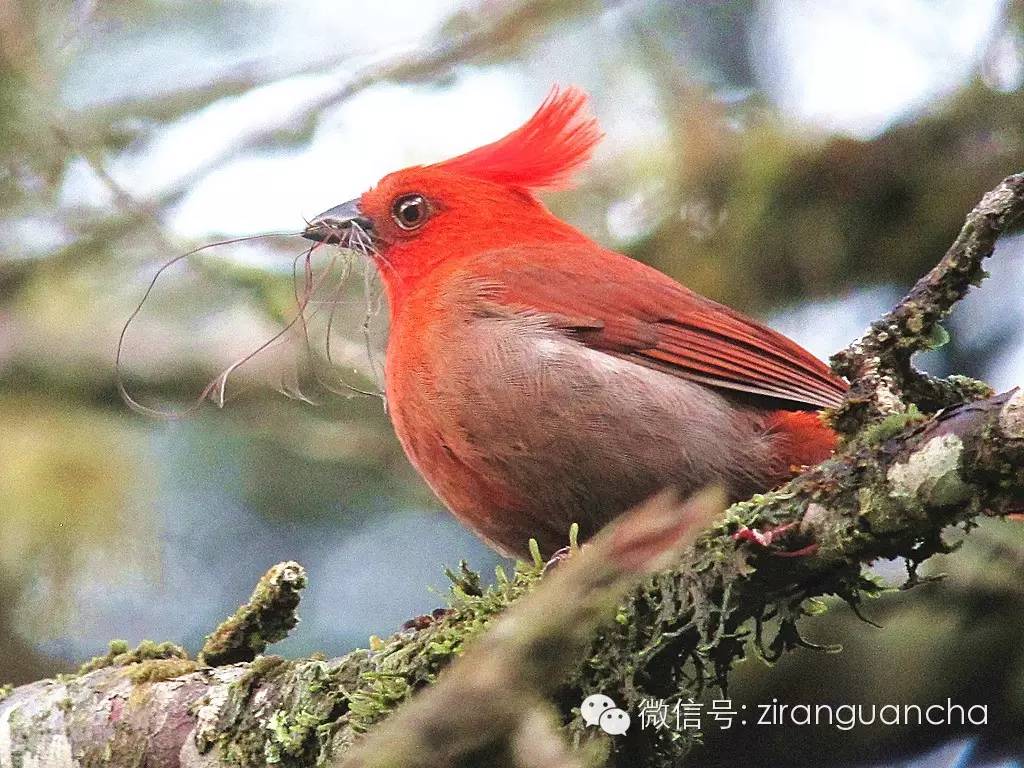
(804, 439)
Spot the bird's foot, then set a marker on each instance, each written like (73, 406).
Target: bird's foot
(424, 621)
(767, 538)
(556, 559)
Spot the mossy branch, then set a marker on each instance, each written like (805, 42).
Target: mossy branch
(266, 618)
(494, 694)
(906, 471)
(878, 365)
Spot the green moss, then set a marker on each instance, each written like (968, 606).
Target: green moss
(408, 661)
(5, 691)
(260, 668)
(264, 619)
(299, 730)
(689, 627)
(119, 655)
(938, 337)
(693, 624)
(158, 670)
(465, 579)
(889, 427)
(300, 706)
(881, 516)
(290, 734)
(236, 730)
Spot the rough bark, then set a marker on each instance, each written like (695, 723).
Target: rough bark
(919, 455)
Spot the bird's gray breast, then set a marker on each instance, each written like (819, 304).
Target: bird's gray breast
(577, 434)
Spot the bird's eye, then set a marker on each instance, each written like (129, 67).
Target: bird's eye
(410, 211)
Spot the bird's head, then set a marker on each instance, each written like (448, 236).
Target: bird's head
(416, 218)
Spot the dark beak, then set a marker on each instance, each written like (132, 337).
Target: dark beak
(332, 225)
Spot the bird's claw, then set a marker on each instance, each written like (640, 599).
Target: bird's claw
(767, 537)
(424, 621)
(556, 559)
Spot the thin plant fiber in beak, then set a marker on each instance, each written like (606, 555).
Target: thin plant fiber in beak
(329, 226)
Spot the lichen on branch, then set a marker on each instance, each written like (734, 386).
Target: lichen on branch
(267, 617)
(878, 365)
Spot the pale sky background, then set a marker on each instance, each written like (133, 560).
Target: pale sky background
(843, 67)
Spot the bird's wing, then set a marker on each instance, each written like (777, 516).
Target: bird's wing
(620, 306)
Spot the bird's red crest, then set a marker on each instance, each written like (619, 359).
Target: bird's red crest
(544, 152)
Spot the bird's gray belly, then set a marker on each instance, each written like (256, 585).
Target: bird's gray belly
(572, 434)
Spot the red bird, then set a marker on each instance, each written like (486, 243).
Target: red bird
(535, 378)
